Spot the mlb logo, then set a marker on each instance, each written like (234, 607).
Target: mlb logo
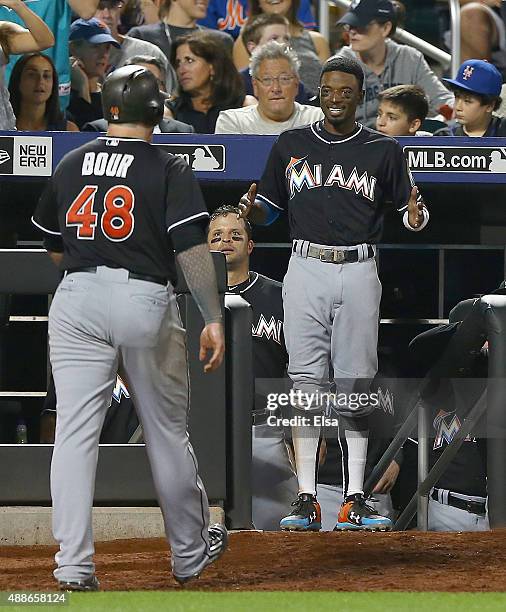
(114, 111)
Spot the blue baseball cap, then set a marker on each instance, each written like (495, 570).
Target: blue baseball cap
(362, 12)
(478, 76)
(93, 31)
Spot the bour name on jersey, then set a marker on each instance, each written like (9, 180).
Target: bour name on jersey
(299, 174)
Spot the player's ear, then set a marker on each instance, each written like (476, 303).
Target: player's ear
(251, 246)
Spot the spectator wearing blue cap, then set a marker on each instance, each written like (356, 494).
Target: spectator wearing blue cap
(90, 43)
(477, 89)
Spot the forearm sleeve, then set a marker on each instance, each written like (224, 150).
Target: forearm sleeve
(198, 269)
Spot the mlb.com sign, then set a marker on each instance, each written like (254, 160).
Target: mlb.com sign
(26, 156)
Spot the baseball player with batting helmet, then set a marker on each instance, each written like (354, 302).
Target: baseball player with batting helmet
(334, 178)
(114, 233)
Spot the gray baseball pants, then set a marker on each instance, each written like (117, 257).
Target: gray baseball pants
(97, 323)
(331, 315)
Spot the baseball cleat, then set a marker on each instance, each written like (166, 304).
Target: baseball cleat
(355, 515)
(306, 515)
(218, 540)
(90, 584)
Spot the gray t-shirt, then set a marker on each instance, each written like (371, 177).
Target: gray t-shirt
(7, 118)
(130, 47)
(247, 120)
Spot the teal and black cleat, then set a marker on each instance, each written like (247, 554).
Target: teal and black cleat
(306, 515)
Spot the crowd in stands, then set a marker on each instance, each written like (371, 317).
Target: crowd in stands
(243, 66)
(208, 54)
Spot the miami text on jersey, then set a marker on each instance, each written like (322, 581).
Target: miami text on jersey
(270, 330)
(300, 174)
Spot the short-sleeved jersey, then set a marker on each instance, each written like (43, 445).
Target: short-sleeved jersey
(115, 202)
(57, 15)
(335, 189)
(269, 352)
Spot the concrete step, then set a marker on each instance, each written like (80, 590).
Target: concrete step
(29, 525)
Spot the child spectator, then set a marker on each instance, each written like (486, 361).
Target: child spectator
(371, 24)
(477, 89)
(33, 89)
(402, 110)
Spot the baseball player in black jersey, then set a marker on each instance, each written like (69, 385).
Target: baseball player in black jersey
(333, 178)
(274, 484)
(114, 212)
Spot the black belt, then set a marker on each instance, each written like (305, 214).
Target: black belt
(334, 255)
(475, 507)
(145, 277)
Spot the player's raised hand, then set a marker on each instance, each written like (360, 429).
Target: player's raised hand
(212, 339)
(247, 201)
(415, 208)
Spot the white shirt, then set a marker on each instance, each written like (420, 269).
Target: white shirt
(247, 120)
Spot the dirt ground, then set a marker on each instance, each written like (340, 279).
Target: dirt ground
(399, 561)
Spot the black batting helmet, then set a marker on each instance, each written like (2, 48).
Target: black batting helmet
(131, 95)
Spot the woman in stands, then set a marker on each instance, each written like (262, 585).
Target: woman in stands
(208, 81)
(370, 26)
(33, 89)
(311, 47)
(13, 40)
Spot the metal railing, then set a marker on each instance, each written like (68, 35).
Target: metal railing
(445, 59)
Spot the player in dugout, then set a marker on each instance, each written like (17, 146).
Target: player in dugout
(274, 483)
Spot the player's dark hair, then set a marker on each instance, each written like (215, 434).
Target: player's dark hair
(344, 64)
(254, 28)
(227, 85)
(229, 209)
(483, 98)
(256, 9)
(411, 99)
(53, 114)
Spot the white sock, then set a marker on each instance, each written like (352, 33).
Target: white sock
(356, 442)
(305, 445)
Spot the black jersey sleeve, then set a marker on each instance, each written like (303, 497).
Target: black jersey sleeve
(272, 188)
(185, 203)
(398, 178)
(45, 216)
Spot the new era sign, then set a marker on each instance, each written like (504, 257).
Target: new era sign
(200, 157)
(26, 156)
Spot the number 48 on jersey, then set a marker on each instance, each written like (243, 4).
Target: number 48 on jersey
(116, 219)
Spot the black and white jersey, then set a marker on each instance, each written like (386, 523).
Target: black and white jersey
(115, 202)
(269, 351)
(335, 188)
